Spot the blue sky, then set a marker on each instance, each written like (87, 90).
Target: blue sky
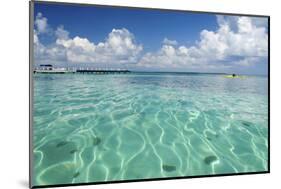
(156, 40)
(150, 27)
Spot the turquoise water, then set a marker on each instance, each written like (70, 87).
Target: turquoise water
(91, 128)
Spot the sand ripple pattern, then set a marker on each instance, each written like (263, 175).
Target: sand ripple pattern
(91, 128)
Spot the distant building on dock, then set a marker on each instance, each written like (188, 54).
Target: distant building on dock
(48, 68)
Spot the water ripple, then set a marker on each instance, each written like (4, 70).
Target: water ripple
(90, 128)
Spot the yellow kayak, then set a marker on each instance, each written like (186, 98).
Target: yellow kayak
(234, 77)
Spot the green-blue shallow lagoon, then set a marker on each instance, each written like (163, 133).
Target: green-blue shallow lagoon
(92, 128)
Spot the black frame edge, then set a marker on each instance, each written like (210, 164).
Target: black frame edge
(268, 75)
(149, 180)
(31, 17)
(146, 8)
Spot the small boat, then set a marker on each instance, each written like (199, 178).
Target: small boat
(234, 77)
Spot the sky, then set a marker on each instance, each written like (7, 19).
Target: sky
(149, 40)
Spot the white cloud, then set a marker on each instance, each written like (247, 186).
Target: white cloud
(249, 40)
(247, 61)
(35, 37)
(166, 41)
(61, 33)
(238, 40)
(41, 24)
(50, 53)
(118, 47)
(170, 57)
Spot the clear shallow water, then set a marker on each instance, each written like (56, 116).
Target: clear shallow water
(91, 128)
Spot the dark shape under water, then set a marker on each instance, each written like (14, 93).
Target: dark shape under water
(76, 174)
(169, 168)
(73, 151)
(184, 103)
(60, 144)
(210, 159)
(210, 136)
(246, 123)
(96, 141)
(141, 114)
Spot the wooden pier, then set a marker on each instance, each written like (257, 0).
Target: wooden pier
(85, 71)
(48, 68)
